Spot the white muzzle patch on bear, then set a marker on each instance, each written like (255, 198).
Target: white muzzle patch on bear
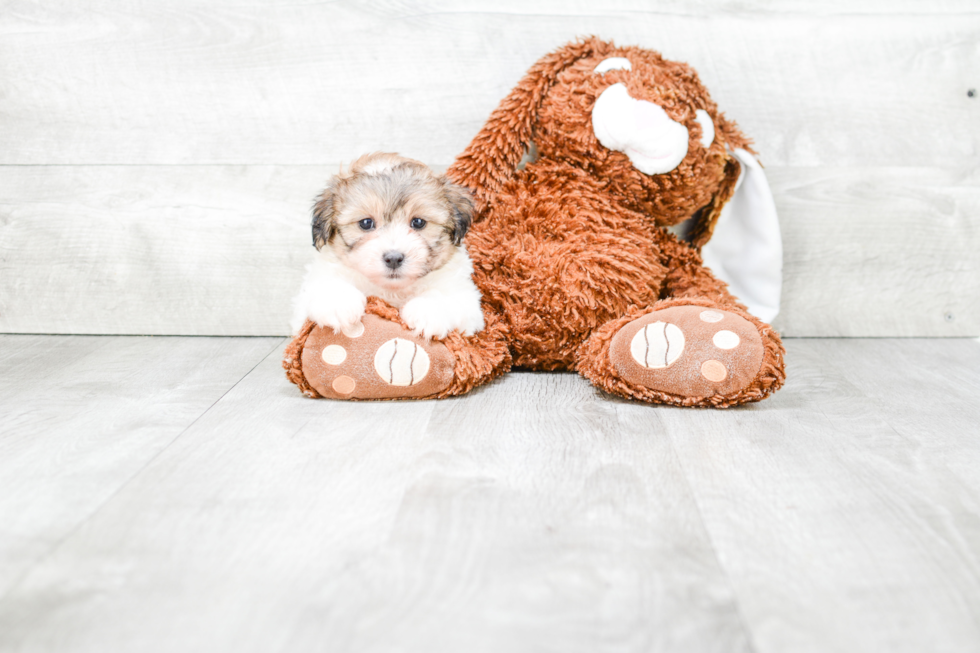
(641, 130)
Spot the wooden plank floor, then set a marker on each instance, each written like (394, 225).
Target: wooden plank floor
(177, 494)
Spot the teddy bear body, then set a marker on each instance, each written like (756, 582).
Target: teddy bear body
(572, 253)
(603, 257)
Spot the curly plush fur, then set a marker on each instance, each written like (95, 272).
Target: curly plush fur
(573, 247)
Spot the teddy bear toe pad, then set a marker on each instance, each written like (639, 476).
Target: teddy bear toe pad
(376, 359)
(691, 351)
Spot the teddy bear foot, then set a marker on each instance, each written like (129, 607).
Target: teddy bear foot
(686, 355)
(691, 351)
(377, 359)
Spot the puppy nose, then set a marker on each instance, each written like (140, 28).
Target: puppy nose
(393, 259)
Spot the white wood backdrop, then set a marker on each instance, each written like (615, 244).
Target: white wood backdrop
(157, 161)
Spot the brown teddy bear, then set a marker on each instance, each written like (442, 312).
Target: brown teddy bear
(572, 253)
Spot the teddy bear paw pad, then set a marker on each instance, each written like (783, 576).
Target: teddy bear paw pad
(375, 359)
(691, 351)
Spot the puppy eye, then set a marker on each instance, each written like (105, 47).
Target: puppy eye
(417, 223)
(367, 224)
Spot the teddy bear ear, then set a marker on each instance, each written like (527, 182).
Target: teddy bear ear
(493, 155)
(745, 249)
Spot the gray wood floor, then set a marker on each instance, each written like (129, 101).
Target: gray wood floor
(177, 494)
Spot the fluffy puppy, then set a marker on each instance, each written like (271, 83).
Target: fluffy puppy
(390, 228)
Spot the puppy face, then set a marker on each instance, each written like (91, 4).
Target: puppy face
(391, 219)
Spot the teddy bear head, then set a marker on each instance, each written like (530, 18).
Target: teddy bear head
(643, 126)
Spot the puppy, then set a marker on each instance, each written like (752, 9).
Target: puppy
(390, 228)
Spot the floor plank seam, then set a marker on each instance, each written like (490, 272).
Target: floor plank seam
(61, 542)
(749, 638)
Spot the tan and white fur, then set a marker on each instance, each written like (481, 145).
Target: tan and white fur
(391, 228)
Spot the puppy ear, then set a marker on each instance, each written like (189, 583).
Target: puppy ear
(323, 223)
(492, 156)
(461, 207)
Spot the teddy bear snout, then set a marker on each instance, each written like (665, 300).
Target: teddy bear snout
(642, 130)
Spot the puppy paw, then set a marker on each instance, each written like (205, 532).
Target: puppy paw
(435, 315)
(341, 309)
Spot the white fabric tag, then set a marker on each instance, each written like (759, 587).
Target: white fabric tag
(746, 248)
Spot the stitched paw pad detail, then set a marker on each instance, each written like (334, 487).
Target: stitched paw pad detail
(401, 362)
(657, 345)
